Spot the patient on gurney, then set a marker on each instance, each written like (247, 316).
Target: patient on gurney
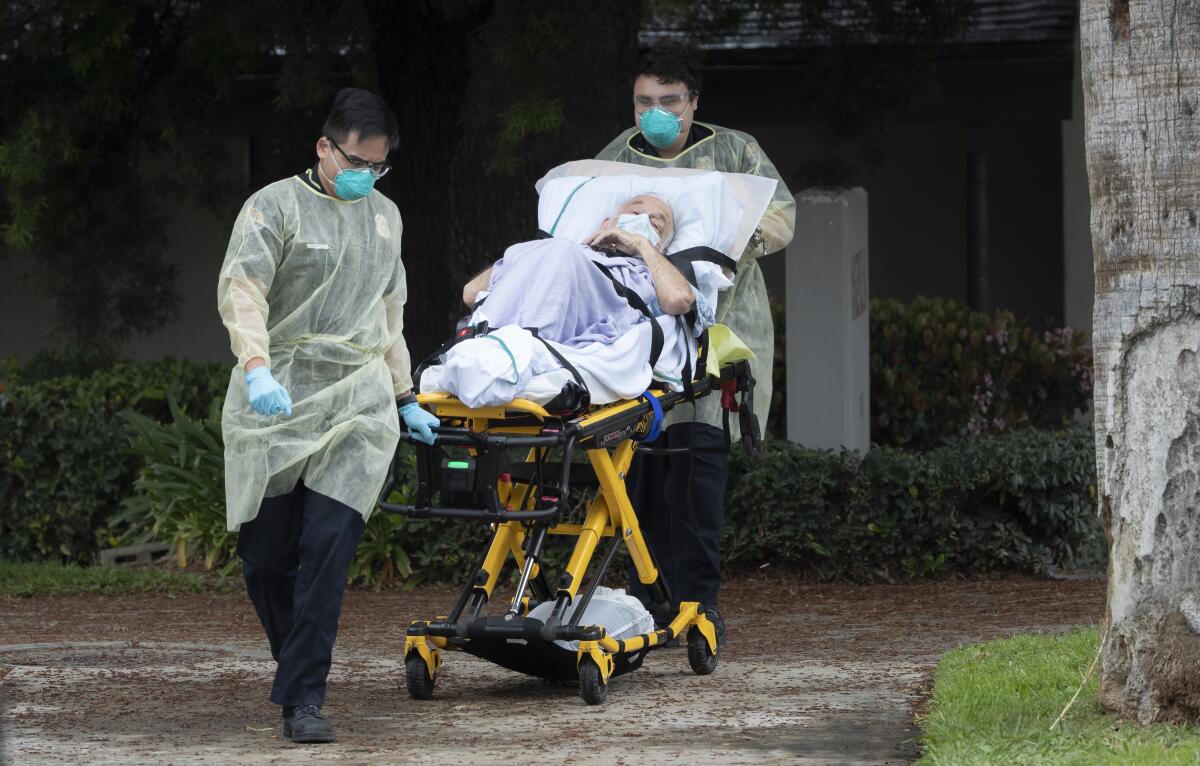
(559, 312)
(555, 286)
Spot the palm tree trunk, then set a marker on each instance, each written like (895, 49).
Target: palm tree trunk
(1141, 82)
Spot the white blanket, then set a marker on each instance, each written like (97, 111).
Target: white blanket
(481, 372)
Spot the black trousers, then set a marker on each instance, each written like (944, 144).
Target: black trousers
(682, 527)
(295, 557)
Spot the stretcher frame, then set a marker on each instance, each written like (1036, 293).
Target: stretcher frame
(523, 507)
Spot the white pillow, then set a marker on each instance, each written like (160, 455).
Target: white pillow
(706, 210)
(722, 214)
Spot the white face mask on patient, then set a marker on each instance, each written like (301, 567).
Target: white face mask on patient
(638, 224)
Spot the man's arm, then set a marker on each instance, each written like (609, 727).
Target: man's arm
(778, 224)
(397, 357)
(674, 294)
(477, 285)
(671, 289)
(255, 251)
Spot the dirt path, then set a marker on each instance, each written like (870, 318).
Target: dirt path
(810, 674)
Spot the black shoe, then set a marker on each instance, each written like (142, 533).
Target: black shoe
(307, 724)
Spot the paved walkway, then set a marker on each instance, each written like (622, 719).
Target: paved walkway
(811, 675)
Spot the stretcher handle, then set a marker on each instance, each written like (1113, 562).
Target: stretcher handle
(440, 512)
(464, 437)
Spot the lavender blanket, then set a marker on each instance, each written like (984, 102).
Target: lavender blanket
(554, 285)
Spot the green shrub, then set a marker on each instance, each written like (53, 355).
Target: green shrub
(380, 558)
(179, 495)
(63, 464)
(940, 370)
(1011, 501)
(179, 498)
(1023, 501)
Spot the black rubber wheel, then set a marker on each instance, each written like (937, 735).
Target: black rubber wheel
(700, 658)
(591, 687)
(416, 677)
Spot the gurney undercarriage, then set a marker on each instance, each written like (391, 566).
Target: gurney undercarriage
(513, 467)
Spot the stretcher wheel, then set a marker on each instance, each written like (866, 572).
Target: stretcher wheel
(700, 657)
(591, 686)
(416, 677)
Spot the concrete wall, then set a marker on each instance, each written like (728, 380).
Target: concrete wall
(918, 229)
(197, 240)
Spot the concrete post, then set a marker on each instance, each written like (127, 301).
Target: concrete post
(827, 302)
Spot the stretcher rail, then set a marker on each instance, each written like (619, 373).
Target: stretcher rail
(462, 437)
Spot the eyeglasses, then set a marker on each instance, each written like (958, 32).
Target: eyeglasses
(670, 102)
(378, 169)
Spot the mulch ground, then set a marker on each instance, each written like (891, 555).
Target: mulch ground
(810, 673)
(767, 615)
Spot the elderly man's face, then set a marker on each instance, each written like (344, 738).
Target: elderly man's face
(659, 212)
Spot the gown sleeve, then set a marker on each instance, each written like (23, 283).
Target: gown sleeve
(251, 260)
(399, 361)
(778, 224)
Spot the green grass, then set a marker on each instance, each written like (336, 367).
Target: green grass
(20, 579)
(993, 703)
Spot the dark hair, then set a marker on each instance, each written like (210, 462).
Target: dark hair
(360, 111)
(671, 63)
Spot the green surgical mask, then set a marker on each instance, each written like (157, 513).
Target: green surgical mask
(660, 127)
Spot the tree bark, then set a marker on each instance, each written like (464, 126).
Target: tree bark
(1141, 81)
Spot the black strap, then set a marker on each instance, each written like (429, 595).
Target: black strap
(704, 253)
(683, 261)
(725, 425)
(688, 389)
(702, 352)
(635, 300)
(586, 399)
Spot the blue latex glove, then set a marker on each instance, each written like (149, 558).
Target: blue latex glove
(267, 397)
(420, 423)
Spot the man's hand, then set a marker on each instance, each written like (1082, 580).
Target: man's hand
(419, 422)
(630, 244)
(266, 396)
(672, 290)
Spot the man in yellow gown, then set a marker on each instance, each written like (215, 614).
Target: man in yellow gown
(680, 498)
(312, 292)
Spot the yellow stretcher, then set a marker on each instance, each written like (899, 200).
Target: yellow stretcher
(513, 467)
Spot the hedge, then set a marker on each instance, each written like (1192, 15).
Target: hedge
(940, 370)
(65, 463)
(1022, 501)
(1014, 501)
